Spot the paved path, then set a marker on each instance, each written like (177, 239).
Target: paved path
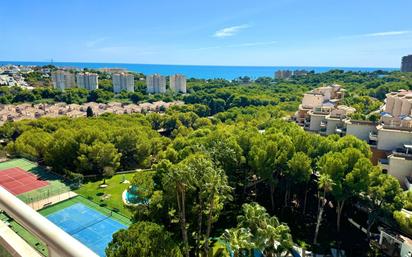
(51, 200)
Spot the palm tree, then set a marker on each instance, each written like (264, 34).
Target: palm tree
(325, 184)
(277, 238)
(218, 190)
(270, 236)
(238, 239)
(254, 216)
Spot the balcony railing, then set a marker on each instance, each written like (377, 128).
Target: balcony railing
(397, 127)
(321, 111)
(372, 143)
(340, 130)
(58, 242)
(402, 152)
(373, 136)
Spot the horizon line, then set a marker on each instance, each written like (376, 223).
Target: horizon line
(203, 65)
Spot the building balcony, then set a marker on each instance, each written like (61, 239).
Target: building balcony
(299, 120)
(320, 111)
(340, 130)
(373, 136)
(403, 152)
(408, 183)
(373, 143)
(384, 164)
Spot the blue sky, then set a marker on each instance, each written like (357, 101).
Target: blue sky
(351, 33)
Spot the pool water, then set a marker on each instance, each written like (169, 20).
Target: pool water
(133, 197)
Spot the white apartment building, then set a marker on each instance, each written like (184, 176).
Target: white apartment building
(390, 138)
(395, 128)
(123, 82)
(393, 243)
(156, 84)
(320, 110)
(283, 74)
(399, 103)
(361, 129)
(89, 81)
(286, 74)
(178, 83)
(63, 79)
(399, 164)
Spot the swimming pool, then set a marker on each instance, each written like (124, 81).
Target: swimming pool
(132, 196)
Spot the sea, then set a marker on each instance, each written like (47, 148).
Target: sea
(198, 71)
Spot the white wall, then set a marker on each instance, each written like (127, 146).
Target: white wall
(311, 100)
(315, 121)
(406, 250)
(389, 139)
(331, 126)
(399, 167)
(360, 131)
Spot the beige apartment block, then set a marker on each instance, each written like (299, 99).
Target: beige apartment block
(399, 103)
(320, 110)
(178, 83)
(156, 84)
(361, 129)
(123, 82)
(390, 138)
(89, 81)
(399, 165)
(63, 79)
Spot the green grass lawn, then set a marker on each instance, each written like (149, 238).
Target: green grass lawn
(92, 191)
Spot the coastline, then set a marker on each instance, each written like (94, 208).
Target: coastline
(198, 71)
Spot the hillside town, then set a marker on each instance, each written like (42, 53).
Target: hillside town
(326, 146)
(33, 111)
(71, 77)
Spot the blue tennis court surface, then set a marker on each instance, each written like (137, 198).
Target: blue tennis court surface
(87, 225)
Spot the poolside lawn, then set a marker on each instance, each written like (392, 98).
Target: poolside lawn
(93, 192)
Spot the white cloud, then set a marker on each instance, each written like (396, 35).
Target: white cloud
(230, 31)
(380, 34)
(387, 33)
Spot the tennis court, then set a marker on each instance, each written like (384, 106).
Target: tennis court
(56, 185)
(88, 225)
(18, 181)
